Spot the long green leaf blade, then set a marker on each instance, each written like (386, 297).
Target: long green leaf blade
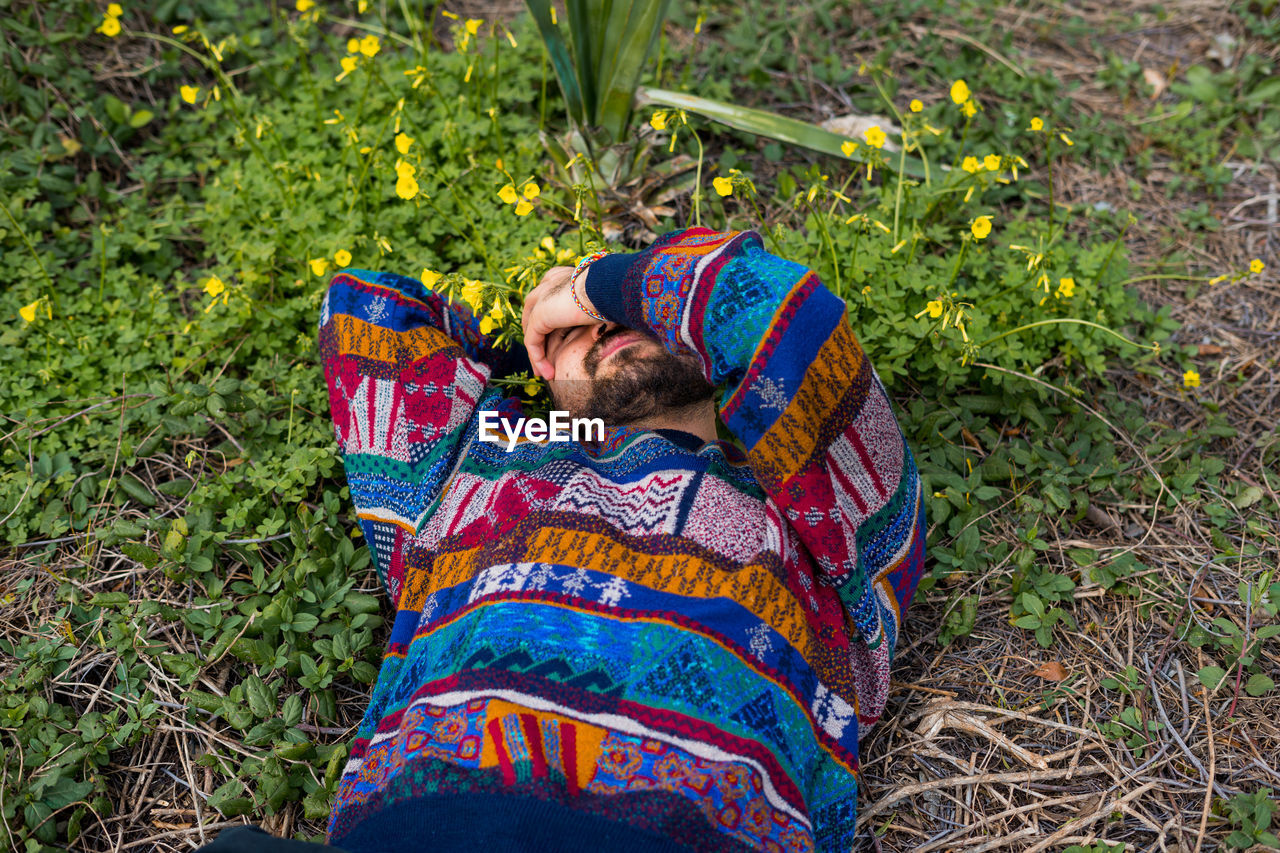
(561, 60)
(631, 33)
(763, 123)
(581, 13)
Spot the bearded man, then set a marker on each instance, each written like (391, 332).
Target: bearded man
(651, 640)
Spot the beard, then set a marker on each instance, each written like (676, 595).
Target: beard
(645, 381)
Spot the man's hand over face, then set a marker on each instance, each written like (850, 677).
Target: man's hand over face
(548, 307)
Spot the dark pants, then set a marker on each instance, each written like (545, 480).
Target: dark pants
(252, 839)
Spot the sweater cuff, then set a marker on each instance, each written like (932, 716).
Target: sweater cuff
(603, 284)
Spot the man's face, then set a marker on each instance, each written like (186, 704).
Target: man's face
(622, 376)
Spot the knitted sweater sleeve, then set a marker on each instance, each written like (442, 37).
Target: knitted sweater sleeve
(406, 372)
(801, 396)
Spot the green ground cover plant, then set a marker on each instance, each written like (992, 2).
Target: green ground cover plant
(180, 182)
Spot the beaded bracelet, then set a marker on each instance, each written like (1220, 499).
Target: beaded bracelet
(581, 267)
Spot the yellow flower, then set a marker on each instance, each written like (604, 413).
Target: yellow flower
(404, 171)
(319, 265)
(916, 106)
(369, 46)
(473, 25)
(970, 165)
(28, 312)
(305, 5)
(508, 194)
(723, 186)
(348, 64)
(353, 45)
(968, 108)
(874, 136)
(960, 92)
(342, 257)
(406, 187)
(531, 190)
(487, 324)
(471, 294)
(980, 227)
(110, 26)
(430, 278)
(531, 388)
(1218, 279)
(523, 208)
(114, 10)
(1256, 266)
(1066, 287)
(1191, 379)
(403, 141)
(189, 93)
(1037, 123)
(1066, 138)
(848, 147)
(658, 121)
(180, 29)
(934, 308)
(214, 286)
(991, 163)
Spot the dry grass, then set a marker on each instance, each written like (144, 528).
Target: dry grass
(982, 746)
(971, 754)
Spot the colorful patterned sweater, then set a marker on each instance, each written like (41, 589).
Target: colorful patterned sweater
(644, 643)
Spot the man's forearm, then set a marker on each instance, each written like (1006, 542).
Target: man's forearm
(818, 427)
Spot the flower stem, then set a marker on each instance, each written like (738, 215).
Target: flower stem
(955, 270)
(826, 239)
(30, 248)
(964, 136)
(1049, 156)
(897, 199)
(697, 182)
(1054, 320)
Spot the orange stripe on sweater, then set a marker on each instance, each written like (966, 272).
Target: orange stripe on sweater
(356, 337)
(753, 586)
(789, 445)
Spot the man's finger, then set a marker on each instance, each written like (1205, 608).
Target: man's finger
(535, 354)
(528, 306)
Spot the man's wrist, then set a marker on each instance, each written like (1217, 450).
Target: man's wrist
(580, 271)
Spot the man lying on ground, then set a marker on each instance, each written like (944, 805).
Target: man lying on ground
(642, 639)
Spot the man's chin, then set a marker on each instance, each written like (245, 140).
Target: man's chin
(636, 384)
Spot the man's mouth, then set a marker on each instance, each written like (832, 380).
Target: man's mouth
(618, 342)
